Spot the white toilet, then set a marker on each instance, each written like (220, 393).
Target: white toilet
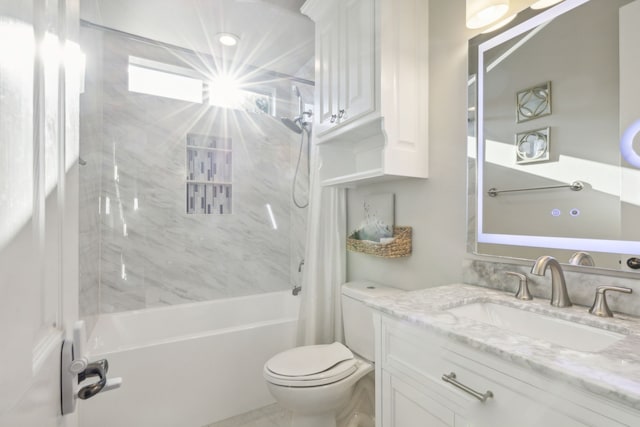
(314, 382)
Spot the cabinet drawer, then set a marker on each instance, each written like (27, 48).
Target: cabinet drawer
(516, 402)
(420, 359)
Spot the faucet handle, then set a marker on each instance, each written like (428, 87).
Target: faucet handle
(523, 288)
(600, 306)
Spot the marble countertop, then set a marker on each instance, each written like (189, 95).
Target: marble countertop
(613, 373)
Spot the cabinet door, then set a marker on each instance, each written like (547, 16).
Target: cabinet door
(327, 60)
(405, 406)
(357, 54)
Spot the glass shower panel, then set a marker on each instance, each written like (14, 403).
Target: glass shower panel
(175, 190)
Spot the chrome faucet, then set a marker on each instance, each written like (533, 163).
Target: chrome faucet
(559, 295)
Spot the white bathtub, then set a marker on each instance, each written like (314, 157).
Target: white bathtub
(189, 365)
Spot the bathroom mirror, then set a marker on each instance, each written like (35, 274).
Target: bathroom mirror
(554, 180)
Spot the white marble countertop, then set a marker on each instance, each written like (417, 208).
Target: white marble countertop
(612, 373)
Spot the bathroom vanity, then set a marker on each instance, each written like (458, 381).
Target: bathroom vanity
(462, 355)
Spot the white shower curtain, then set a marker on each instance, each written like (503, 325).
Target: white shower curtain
(324, 272)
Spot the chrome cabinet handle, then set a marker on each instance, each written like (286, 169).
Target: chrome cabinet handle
(451, 379)
(333, 118)
(341, 113)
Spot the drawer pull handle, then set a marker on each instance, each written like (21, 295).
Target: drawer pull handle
(451, 379)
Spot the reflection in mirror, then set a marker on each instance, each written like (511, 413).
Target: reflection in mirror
(533, 102)
(587, 51)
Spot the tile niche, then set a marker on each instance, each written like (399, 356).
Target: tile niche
(209, 175)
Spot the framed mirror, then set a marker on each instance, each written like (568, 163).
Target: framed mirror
(556, 173)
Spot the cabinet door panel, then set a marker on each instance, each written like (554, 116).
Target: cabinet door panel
(357, 69)
(326, 73)
(405, 406)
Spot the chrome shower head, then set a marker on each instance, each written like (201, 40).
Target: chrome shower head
(292, 124)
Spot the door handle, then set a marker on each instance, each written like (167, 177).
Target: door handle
(95, 369)
(76, 369)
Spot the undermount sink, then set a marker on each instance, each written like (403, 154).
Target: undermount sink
(568, 334)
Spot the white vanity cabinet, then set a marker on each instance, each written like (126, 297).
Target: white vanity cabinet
(410, 391)
(371, 95)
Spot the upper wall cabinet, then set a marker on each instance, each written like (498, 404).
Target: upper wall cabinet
(371, 99)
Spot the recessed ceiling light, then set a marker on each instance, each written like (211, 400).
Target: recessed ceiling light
(544, 3)
(228, 39)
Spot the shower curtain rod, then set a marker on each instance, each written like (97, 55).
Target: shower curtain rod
(271, 73)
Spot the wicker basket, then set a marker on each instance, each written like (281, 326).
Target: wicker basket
(401, 245)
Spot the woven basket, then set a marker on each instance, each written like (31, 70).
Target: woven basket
(401, 245)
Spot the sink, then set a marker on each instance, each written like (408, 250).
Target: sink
(568, 334)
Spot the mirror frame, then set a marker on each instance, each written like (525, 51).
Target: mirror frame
(527, 20)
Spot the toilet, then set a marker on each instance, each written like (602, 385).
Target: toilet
(314, 382)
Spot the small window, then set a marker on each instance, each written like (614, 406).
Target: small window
(168, 81)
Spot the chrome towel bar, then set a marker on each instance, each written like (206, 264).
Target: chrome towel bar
(574, 186)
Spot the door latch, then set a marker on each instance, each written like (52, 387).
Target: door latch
(75, 369)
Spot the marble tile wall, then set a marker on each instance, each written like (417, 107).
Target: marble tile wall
(151, 252)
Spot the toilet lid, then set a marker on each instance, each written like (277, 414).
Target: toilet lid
(335, 373)
(308, 360)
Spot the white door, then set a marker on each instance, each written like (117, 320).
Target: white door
(39, 86)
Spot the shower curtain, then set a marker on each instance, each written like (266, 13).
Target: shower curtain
(325, 262)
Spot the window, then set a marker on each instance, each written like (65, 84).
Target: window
(168, 81)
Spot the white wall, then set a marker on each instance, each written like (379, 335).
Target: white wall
(435, 207)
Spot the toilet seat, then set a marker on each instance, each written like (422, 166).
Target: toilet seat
(311, 366)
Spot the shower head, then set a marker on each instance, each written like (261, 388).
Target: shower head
(292, 124)
(296, 91)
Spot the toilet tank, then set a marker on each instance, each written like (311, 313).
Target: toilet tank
(357, 317)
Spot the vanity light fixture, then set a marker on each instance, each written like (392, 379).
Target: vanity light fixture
(541, 4)
(228, 39)
(484, 12)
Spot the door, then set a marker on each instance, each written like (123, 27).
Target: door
(39, 88)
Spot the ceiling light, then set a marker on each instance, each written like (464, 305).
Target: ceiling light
(544, 3)
(228, 39)
(500, 24)
(484, 12)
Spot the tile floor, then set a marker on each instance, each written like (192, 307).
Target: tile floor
(269, 416)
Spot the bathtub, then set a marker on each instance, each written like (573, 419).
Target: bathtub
(189, 365)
